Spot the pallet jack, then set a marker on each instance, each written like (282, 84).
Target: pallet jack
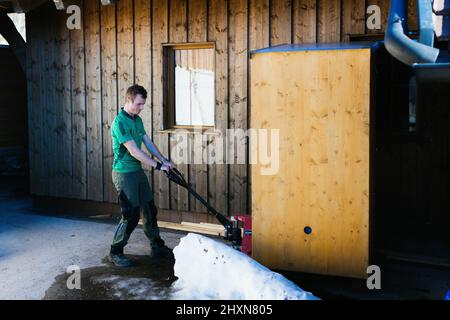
(240, 239)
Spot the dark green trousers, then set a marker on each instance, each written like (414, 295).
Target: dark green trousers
(135, 196)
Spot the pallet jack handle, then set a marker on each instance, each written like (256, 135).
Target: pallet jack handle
(232, 232)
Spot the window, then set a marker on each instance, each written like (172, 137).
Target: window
(190, 85)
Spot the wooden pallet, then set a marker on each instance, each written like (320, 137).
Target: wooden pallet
(202, 228)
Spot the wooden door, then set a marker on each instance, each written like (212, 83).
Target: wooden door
(312, 215)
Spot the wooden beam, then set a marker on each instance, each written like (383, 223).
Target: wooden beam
(193, 227)
(15, 40)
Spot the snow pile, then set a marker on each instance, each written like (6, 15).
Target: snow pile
(208, 269)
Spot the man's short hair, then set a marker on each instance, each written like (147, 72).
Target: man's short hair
(134, 90)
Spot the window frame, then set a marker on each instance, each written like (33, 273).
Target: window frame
(169, 83)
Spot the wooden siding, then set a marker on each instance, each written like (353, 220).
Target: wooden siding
(78, 78)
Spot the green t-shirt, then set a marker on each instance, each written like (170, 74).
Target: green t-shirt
(123, 129)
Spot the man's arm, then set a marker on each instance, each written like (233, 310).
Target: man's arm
(142, 156)
(153, 149)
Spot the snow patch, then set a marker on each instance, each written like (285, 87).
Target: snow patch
(209, 269)
(127, 288)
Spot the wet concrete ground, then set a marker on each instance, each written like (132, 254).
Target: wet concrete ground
(147, 279)
(37, 247)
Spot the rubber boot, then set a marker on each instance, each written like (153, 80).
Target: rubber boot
(117, 258)
(159, 248)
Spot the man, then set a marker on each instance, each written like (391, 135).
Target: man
(131, 183)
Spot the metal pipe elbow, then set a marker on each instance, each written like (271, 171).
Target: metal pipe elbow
(399, 45)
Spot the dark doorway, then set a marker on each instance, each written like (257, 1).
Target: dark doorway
(13, 117)
(412, 176)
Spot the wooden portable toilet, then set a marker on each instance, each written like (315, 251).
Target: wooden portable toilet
(313, 214)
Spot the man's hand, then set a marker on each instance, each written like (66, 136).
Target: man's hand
(169, 164)
(165, 167)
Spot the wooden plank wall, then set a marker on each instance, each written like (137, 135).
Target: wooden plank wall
(78, 79)
(109, 92)
(78, 101)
